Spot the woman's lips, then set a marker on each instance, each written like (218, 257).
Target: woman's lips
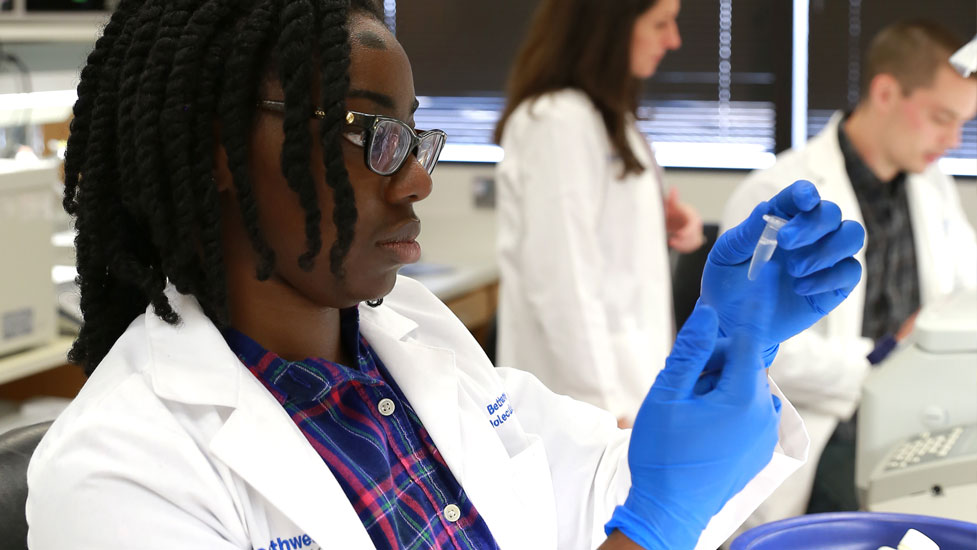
(402, 244)
(406, 252)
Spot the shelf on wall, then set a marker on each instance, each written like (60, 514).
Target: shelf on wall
(81, 28)
(36, 107)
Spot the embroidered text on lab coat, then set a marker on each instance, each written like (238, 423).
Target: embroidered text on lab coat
(293, 543)
(500, 404)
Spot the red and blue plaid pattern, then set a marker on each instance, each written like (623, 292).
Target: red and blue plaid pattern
(388, 466)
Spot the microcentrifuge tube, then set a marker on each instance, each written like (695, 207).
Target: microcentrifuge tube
(765, 247)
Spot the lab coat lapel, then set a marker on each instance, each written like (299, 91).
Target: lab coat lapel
(928, 217)
(260, 443)
(429, 379)
(826, 164)
(432, 380)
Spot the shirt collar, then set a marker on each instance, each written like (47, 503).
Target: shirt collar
(312, 376)
(859, 173)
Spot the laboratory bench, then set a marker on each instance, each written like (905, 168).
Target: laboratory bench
(31, 361)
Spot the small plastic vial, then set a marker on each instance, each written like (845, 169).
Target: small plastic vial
(765, 246)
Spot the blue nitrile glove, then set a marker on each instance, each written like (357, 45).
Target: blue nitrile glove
(696, 445)
(814, 256)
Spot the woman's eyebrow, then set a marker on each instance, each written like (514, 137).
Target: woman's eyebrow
(382, 100)
(370, 40)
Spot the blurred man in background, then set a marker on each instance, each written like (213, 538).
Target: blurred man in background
(878, 164)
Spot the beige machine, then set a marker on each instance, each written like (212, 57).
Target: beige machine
(932, 473)
(27, 212)
(916, 448)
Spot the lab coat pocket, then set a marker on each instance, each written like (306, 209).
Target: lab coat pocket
(533, 493)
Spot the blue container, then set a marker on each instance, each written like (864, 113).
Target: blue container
(855, 531)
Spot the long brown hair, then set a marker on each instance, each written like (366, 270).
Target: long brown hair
(583, 44)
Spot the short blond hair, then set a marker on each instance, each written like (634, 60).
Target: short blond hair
(911, 52)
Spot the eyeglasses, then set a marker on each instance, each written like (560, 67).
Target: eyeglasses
(387, 142)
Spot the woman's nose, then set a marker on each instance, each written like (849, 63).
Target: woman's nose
(675, 38)
(411, 184)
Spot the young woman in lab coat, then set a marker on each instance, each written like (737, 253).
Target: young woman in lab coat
(249, 390)
(585, 301)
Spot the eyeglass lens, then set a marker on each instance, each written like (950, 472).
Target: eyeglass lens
(391, 145)
(428, 151)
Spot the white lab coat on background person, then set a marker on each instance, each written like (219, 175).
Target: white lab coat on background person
(585, 298)
(173, 443)
(821, 370)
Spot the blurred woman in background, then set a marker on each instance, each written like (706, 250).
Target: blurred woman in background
(584, 224)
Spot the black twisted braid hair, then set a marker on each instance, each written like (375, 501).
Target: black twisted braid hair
(139, 165)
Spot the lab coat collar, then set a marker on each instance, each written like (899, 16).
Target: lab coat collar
(386, 321)
(302, 487)
(825, 152)
(433, 378)
(826, 163)
(261, 443)
(208, 362)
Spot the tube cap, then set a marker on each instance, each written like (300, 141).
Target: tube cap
(914, 540)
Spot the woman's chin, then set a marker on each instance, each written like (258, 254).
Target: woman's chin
(377, 288)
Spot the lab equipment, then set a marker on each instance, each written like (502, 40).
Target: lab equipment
(914, 540)
(854, 531)
(932, 471)
(964, 61)
(810, 281)
(766, 245)
(690, 450)
(27, 212)
(925, 385)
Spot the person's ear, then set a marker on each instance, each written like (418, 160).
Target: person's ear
(885, 91)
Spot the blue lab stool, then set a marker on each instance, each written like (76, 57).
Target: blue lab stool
(855, 531)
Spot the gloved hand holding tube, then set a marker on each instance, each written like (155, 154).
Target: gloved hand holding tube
(814, 257)
(709, 423)
(695, 444)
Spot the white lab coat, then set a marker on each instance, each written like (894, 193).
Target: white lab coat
(585, 300)
(822, 369)
(172, 443)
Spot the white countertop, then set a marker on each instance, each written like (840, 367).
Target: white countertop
(34, 360)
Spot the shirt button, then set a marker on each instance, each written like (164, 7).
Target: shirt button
(386, 407)
(452, 513)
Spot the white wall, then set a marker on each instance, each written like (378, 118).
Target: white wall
(968, 197)
(707, 190)
(52, 66)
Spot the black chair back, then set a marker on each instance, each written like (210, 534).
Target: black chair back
(16, 448)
